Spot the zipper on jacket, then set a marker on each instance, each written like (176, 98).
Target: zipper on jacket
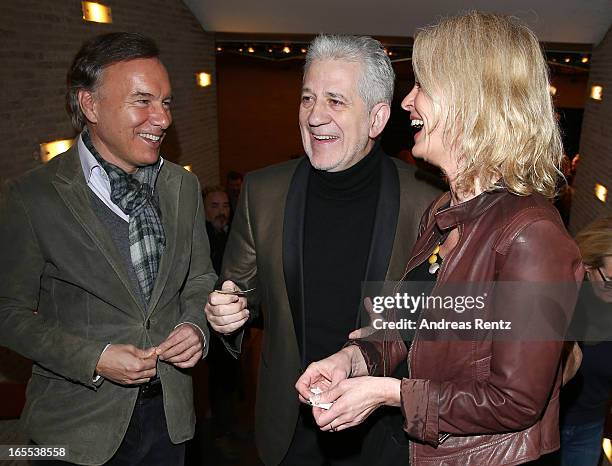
(441, 438)
(407, 270)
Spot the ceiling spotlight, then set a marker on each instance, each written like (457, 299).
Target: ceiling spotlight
(251, 49)
(286, 49)
(567, 60)
(269, 50)
(219, 49)
(240, 50)
(585, 59)
(303, 50)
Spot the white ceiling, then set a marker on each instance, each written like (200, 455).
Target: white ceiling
(569, 21)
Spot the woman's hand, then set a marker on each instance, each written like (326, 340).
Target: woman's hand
(354, 400)
(328, 372)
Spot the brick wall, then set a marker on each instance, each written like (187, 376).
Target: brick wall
(596, 143)
(39, 39)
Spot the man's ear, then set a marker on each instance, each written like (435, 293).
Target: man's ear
(379, 115)
(88, 105)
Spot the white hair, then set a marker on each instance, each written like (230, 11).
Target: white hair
(377, 77)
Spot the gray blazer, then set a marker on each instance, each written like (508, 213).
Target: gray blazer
(264, 250)
(65, 294)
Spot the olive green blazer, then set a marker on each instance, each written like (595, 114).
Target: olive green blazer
(65, 294)
(264, 250)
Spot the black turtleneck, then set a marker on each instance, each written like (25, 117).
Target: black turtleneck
(340, 211)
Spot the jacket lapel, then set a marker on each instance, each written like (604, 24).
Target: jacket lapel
(293, 249)
(73, 190)
(383, 236)
(168, 187)
(385, 226)
(385, 222)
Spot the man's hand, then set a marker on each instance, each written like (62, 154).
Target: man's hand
(127, 365)
(183, 347)
(226, 313)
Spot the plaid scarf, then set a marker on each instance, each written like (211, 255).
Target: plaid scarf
(134, 195)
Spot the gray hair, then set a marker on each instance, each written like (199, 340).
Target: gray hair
(377, 77)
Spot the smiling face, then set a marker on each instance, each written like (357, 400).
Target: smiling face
(337, 129)
(428, 140)
(129, 112)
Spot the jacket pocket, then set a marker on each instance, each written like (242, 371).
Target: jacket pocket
(482, 368)
(38, 370)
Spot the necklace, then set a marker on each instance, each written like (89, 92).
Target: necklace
(434, 265)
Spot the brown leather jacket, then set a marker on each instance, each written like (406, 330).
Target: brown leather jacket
(498, 400)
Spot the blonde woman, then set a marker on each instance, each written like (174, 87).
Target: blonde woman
(586, 398)
(485, 117)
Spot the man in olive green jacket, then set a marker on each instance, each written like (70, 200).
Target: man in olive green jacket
(105, 270)
(306, 234)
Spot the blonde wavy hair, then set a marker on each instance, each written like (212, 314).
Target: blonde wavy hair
(488, 82)
(595, 241)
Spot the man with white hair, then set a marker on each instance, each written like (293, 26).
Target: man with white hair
(308, 232)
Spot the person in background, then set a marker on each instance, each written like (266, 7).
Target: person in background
(482, 106)
(224, 375)
(585, 400)
(233, 186)
(217, 210)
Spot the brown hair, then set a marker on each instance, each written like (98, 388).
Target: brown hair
(95, 55)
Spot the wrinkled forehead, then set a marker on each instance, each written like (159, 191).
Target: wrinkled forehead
(342, 70)
(147, 75)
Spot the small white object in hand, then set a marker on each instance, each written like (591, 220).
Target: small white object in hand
(318, 391)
